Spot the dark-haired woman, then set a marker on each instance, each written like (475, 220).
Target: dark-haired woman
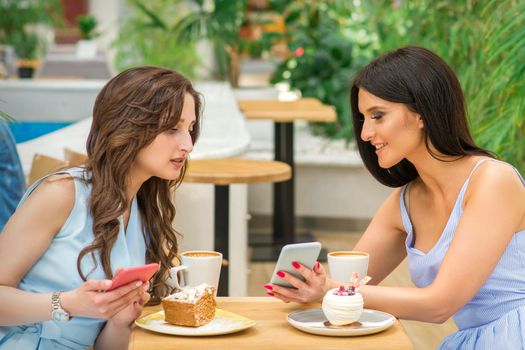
(458, 214)
(73, 229)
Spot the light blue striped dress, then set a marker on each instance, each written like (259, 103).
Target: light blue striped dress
(57, 270)
(495, 317)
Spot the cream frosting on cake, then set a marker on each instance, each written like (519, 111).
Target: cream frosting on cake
(190, 295)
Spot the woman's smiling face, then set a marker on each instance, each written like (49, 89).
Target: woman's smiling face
(394, 131)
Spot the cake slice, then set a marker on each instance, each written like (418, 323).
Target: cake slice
(191, 307)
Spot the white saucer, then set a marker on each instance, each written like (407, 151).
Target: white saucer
(313, 321)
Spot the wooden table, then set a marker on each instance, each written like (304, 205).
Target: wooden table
(271, 331)
(283, 114)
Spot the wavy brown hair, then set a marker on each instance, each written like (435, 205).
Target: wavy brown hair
(129, 112)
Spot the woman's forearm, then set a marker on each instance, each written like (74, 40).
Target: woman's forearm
(113, 337)
(419, 304)
(20, 307)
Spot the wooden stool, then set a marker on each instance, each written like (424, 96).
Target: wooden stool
(222, 173)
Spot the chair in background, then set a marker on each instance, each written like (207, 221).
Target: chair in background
(73, 157)
(43, 165)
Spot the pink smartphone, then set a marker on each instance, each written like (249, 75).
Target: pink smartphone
(136, 273)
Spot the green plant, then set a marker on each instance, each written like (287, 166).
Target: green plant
(146, 37)
(18, 15)
(325, 55)
(87, 25)
(220, 22)
(25, 45)
(484, 42)
(17, 20)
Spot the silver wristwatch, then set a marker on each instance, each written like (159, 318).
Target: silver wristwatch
(58, 314)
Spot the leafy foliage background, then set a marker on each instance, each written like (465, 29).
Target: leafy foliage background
(483, 41)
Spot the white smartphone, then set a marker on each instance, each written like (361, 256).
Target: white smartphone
(304, 253)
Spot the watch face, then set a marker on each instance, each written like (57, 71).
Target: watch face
(60, 316)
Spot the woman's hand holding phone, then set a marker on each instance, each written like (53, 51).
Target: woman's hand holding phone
(133, 310)
(123, 297)
(312, 289)
(298, 276)
(128, 314)
(92, 300)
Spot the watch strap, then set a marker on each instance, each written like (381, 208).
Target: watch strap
(55, 303)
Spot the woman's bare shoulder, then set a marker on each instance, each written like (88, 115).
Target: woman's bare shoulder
(54, 196)
(61, 186)
(497, 173)
(497, 179)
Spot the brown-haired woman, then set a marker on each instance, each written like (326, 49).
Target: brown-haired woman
(73, 229)
(458, 214)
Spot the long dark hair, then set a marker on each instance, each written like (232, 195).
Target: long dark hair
(423, 82)
(130, 111)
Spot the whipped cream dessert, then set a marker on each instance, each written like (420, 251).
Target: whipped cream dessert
(342, 306)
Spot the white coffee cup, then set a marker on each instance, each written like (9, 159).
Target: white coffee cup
(198, 266)
(343, 264)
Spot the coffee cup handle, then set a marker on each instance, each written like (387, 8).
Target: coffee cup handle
(175, 276)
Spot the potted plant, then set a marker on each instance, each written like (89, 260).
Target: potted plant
(25, 46)
(220, 22)
(86, 47)
(17, 28)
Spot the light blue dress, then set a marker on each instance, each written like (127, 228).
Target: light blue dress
(57, 271)
(495, 317)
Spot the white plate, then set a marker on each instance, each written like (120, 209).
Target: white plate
(225, 322)
(313, 321)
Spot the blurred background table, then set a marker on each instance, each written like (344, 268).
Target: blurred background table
(283, 114)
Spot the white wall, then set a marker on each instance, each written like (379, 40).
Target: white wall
(49, 100)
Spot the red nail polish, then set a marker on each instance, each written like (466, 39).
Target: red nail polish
(317, 265)
(270, 294)
(280, 274)
(268, 286)
(296, 265)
